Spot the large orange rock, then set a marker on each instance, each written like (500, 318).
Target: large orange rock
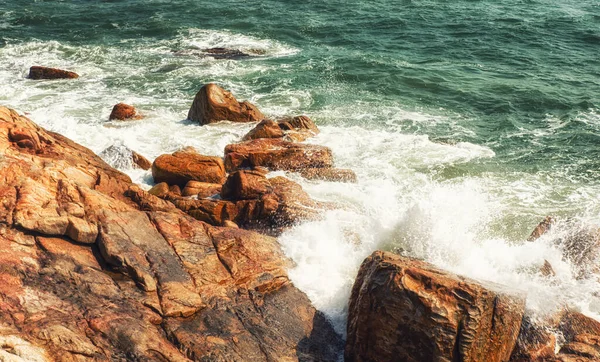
(37, 72)
(213, 104)
(276, 154)
(181, 167)
(122, 112)
(92, 268)
(246, 185)
(403, 309)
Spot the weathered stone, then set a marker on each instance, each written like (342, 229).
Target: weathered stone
(276, 154)
(407, 310)
(329, 174)
(298, 123)
(534, 344)
(141, 161)
(265, 129)
(37, 72)
(201, 189)
(181, 167)
(213, 104)
(159, 190)
(122, 112)
(245, 185)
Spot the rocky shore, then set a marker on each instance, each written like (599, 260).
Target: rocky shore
(95, 268)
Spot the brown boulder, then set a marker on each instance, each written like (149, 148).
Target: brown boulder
(141, 161)
(122, 112)
(403, 309)
(276, 154)
(245, 185)
(213, 104)
(181, 167)
(201, 189)
(265, 129)
(37, 72)
(329, 174)
(582, 338)
(159, 190)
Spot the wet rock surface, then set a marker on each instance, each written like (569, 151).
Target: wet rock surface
(403, 309)
(92, 268)
(213, 104)
(181, 167)
(123, 112)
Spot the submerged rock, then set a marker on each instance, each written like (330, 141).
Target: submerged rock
(181, 167)
(403, 309)
(276, 154)
(213, 104)
(225, 53)
(37, 72)
(94, 268)
(122, 112)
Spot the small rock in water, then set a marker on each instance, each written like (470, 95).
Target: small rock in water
(37, 72)
(122, 112)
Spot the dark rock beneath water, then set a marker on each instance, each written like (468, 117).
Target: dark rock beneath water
(225, 53)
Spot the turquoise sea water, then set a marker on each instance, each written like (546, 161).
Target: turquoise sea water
(466, 121)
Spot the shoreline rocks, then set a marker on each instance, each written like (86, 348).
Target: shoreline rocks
(403, 309)
(38, 72)
(94, 268)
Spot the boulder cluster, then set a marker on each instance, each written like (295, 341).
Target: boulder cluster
(94, 268)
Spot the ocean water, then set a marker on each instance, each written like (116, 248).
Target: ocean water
(467, 122)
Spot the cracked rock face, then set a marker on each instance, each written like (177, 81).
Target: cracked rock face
(403, 309)
(92, 268)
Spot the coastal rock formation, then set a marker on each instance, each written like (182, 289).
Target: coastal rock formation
(252, 202)
(37, 72)
(181, 167)
(403, 309)
(201, 189)
(265, 129)
(276, 154)
(213, 104)
(140, 161)
(93, 268)
(122, 112)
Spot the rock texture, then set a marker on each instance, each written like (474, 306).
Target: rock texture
(213, 104)
(406, 310)
(181, 167)
(92, 268)
(37, 72)
(329, 174)
(265, 129)
(122, 112)
(276, 154)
